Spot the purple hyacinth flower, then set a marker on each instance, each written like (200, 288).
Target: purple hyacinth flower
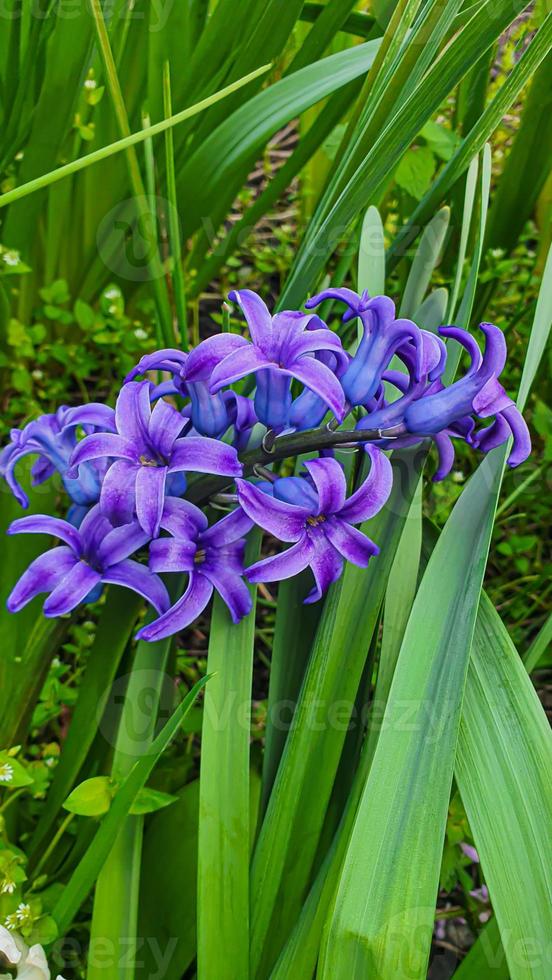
(148, 453)
(383, 336)
(95, 554)
(53, 438)
(479, 392)
(282, 348)
(212, 557)
(317, 517)
(308, 409)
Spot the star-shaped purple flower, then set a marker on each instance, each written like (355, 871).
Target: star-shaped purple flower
(74, 572)
(282, 348)
(383, 336)
(148, 453)
(212, 557)
(479, 392)
(317, 517)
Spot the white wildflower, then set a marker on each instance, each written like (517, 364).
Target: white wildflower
(11, 257)
(8, 886)
(6, 773)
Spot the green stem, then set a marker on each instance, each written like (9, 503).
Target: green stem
(310, 440)
(173, 220)
(53, 843)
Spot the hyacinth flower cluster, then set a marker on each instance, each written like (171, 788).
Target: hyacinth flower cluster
(190, 430)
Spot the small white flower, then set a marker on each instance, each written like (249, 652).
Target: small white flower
(140, 334)
(6, 773)
(112, 293)
(7, 887)
(23, 912)
(90, 83)
(10, 257)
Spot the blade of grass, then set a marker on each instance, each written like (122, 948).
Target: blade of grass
(425, 260)
(539, 646)
(172, 217)
(224, 826)
(83, 878)
(122, 145)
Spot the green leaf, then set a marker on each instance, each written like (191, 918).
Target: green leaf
(371, 254)
(415, 171)
(12, 774)
(504, 753)
(426, 258)
(224, 845)
(440, 140)
(149, 800)
(92, 798)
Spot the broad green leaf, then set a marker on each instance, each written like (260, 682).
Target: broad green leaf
(82, 880)
(221, 164)
(371, 254)
(223, 861)
(92, 798)
(150, 800)
(289, 835)
(415, 171)
(431, 314)
(503, 757)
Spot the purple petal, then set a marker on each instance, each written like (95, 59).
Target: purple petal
(323, 382)
(165, 426)
(445, 448)
(491, 398)
(466, 340)
(314, 340)
(118, 494)
(168, 359)
(98, 445)
(172, 555)
(183, 612)
(238, 365)
(150, 497)
(352, 544)
(204, 455)
(41, 524)
(92, 414)
(285, 521)
(522, 439)
(285, 565)
(331, 486)
(71, 590)
(231, 528)
(348, 296)
(42, 575)
(133, 411)
(182, 518)
(326, 566)
(257, 315)
(94, 527)
(209, 353)
(372, 495)
(232, 589)
(131, 575)
(494, 356)
(121, 543)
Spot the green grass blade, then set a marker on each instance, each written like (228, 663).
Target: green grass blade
(172, 218)
(116, 896)
(293, 637)
(503, 757)
(224, 848)
(475, 140)
(539, 646)
(425, 260)
(122, 145)
(469, 201)
(83, 878)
